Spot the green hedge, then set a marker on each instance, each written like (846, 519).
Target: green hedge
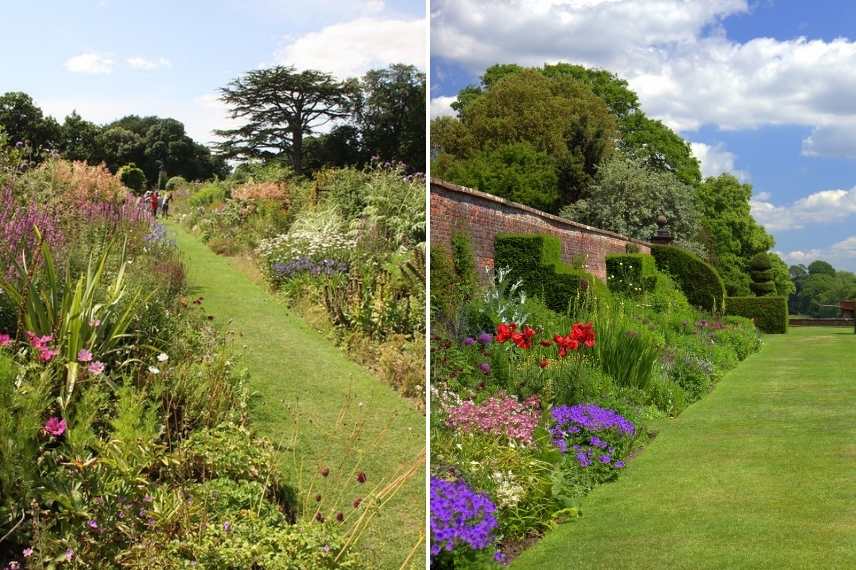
(699, 281)
(769, 313)
(536, 260)
(631, 273)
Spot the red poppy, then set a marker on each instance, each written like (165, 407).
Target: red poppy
(504, 331)
(584, 333)
(523, 339)
(566, 344)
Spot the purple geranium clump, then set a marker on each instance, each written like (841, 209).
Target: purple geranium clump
(306, 265)
(460, 516)
(576, 426)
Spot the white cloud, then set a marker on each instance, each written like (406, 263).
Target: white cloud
(89, 62)
(715, 160)
(350, 49)
(442, 106)
(674, 54)
(837, 140)
(841, 254)
(143, 64)
(826, 206)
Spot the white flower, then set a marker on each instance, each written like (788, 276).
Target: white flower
(163, 357)
(154, 369)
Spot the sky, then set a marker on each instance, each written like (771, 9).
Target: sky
(763, 89)
(109, 58)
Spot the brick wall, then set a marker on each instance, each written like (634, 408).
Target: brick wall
(482, 216)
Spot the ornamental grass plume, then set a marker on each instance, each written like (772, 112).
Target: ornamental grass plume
(460, 517)
(500, 415)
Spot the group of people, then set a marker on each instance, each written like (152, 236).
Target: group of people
(156, 203)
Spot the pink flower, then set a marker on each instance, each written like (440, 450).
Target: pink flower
(5, 340)
(47, 354)
(499, 415)
(28, 552)
(96, 368)
(84, 355)
(55, 426)
(38, 342)
(94, 323)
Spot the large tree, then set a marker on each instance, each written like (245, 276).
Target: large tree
(390, 115)
(731, 234)
(279, 107)
(25, 123)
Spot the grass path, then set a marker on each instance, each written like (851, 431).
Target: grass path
(760, 474)
(296, 372)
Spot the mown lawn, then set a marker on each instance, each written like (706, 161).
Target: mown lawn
(321, 408)
(759, 474)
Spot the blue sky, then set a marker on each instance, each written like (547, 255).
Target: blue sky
(107, 58)
(762, 89)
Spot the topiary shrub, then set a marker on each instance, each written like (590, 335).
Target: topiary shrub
(631, 273)
(133, 177)
(770, 314)
(699, 281)
(175, 183)
(536, 261)
(762, 275)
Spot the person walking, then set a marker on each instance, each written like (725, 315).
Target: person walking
(165, 206)
(153, 201)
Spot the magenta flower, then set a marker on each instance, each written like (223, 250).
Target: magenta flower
(54, 426)
(69, 554)
(84, 355)
(28, 552)
(47, 354)
(96, 368)
(5, 340)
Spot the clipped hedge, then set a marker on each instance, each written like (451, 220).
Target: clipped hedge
(699, 281)
(631, 273)
(536, 260)
(770, 314)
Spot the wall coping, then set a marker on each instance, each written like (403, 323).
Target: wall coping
(530, 210)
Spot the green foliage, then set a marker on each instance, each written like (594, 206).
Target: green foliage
(132, 177)
(225, 451)
(535, 260)
(818, 293)
(770, 314)
(762, 275)
(175, 183)
(820, 267)
(780, 276)
(631, 273)
(627, 197)
(659, 146)
(699, 281)
(730, 233)
(210, 193)
(516, 172)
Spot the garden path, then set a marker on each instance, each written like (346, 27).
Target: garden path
(296, 372)
(759, 474)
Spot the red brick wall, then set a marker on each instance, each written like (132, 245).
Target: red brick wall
(482, 216)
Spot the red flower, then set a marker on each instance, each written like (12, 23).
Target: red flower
(544, 363)
(523, 339)
(361, 477)
(584, 333)
(504, 331)
(566, 344)
(325, 471)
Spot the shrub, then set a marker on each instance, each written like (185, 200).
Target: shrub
(208, 194)
(175, 183)
(770, 314)
(228, 451)
(631, 273)
(536, 261)
(762, 275)
(132, 177)
(699, 281)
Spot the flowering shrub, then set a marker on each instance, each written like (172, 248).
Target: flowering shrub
(329, 267)
(460, 518)
(499, 415)
(254, 191)
(597, 436)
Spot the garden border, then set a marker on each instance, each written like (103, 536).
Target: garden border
(482, 216)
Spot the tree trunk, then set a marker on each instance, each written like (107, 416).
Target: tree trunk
(297, 150)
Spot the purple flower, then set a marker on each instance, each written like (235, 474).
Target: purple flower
(597, 442)
(618, 464)
(93, 524)
(485, 368)
(485, 338)
(55, 426)
(469, 341)
(605, 459)
(460, 517)
(69, 554)
(583, 459)
(500, 557)
(227, 526)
